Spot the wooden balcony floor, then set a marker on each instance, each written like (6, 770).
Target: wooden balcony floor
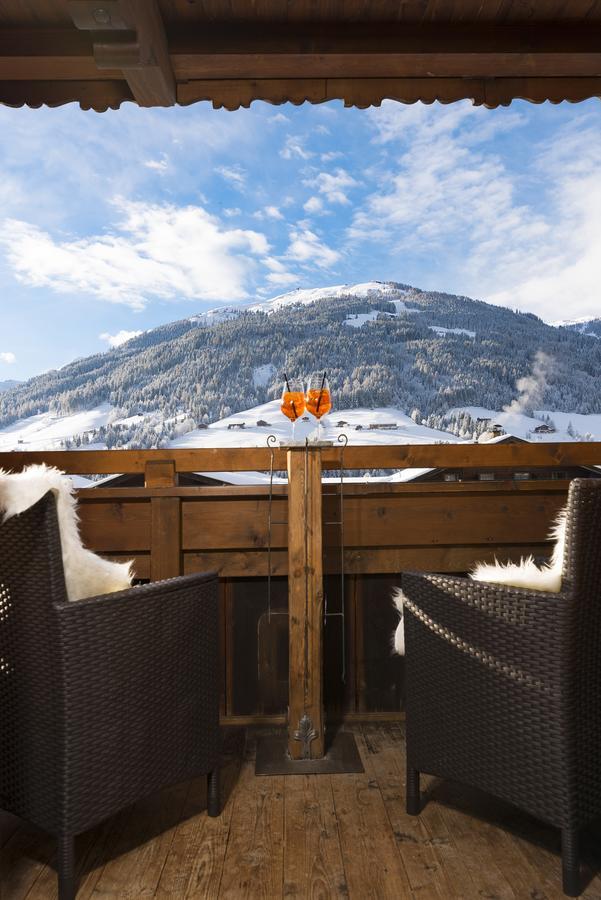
(306, 836)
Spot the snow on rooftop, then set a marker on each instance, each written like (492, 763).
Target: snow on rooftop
(357, 428)
(523, 426)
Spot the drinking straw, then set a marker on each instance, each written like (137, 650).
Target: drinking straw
(323, 381)
(289, 391)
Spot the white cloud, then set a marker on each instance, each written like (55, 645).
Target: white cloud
(313, 205)
(333, 185)
(279, 275)
(330, 155)
(559, 276)
(157, 165)
(155, 250)
(115, 340)
(234, 174)
(232, 211)
(294, 149)
(268, 212)
(306, 247)
(8, 357)
(282, 279)
(87, 160)
(535, 249)
(279, 117)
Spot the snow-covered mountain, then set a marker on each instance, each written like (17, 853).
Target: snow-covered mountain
(7, 385)
(434, 358)
(590, 327)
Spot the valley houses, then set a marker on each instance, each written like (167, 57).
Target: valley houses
(236, 724)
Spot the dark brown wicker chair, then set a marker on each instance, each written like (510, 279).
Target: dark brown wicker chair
(504, 685)
(102, 701)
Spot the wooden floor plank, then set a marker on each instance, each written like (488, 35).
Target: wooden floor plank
(194, 864)
(415, 843)
(313, 865)
(372, 863)
(340, 836)
(142, 848)
(22, 859)
(253, 865)
(92, 850)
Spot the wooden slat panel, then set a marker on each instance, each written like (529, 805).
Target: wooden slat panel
(394, 560)
(236, 564)
(109, 462)
(113, 527)
(512, 456)
(425, 520)
(166, 538)
(363, 560)
(231, 524)
(245, 459)
(159, 473)
(351, 489)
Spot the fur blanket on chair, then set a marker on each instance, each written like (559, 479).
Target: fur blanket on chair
(86, 574)
(525, 574)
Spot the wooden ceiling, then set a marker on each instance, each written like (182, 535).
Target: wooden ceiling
(100, 53)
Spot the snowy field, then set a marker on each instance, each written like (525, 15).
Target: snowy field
(228, 433)
(47, 431)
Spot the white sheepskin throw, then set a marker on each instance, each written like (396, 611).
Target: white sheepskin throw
(525, 574)
(86, 575)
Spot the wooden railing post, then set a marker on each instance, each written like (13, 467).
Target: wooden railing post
(305, 604)
(166, 522)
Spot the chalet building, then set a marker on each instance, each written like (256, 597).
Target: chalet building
(136, 480)
(499, 473)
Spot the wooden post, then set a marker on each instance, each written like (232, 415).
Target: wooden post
(305, 604)
(166, 526)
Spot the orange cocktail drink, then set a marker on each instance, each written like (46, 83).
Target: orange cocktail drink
(293, 404)
(319, 402)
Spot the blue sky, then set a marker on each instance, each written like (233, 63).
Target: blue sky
(114, 223)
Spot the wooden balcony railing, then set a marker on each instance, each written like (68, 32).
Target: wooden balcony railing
(388, 528)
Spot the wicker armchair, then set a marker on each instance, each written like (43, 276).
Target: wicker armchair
(504, 685)
(104, 700)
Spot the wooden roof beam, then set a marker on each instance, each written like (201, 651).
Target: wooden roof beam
(131, 38)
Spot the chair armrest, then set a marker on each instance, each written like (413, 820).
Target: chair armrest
(505, 626)
(140, 594)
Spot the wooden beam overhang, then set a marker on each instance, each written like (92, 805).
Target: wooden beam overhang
(122, 50)
(130, 37)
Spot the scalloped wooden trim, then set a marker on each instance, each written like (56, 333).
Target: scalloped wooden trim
(490, 92)
(232, 94)
(96, 95)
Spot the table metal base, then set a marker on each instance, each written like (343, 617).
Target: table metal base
(342, 757)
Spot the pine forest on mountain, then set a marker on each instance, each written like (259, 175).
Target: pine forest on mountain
(204, 368)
